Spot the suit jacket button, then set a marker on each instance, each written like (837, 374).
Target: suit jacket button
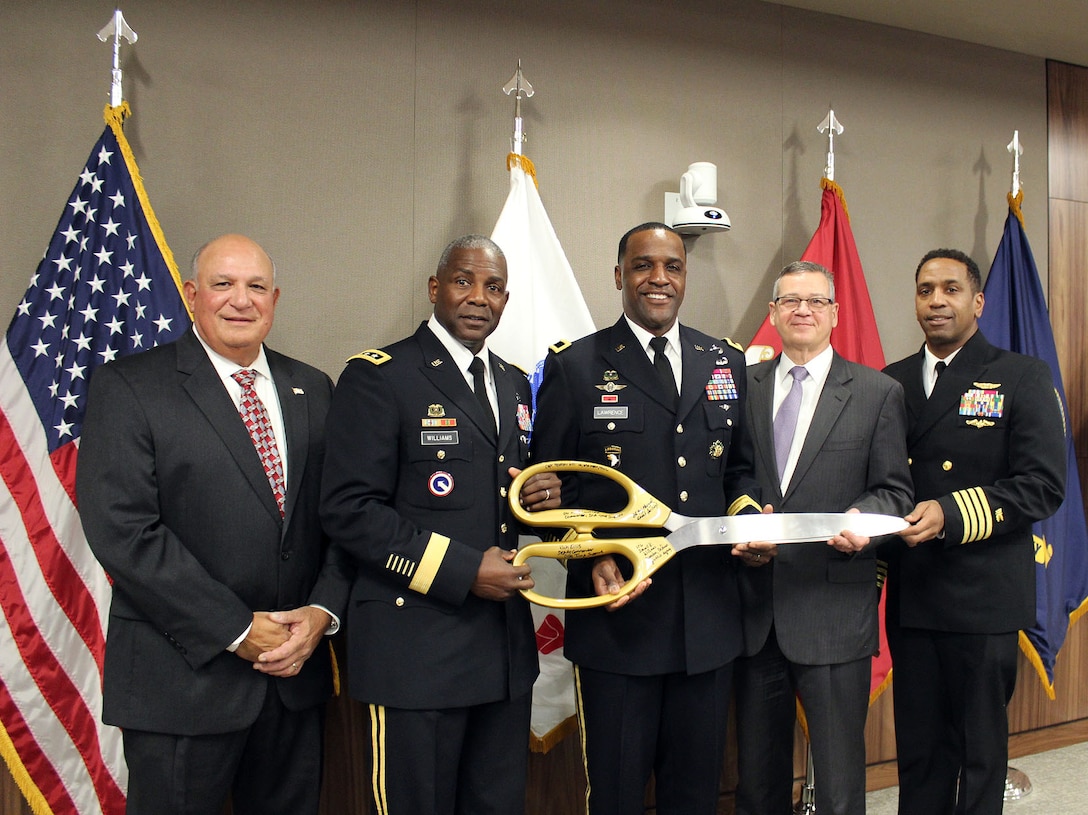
(285, 555)
(400, 602)
(946, 466)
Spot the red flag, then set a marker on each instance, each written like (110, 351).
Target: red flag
(855, 337)
(832, 245)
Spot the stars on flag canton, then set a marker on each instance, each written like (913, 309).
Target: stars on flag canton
(101, 291)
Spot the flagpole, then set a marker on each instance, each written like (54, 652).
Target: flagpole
(519, 86)
(119, 30)
(1017, 150)
(832, 127)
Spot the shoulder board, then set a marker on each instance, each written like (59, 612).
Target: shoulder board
(562, 345)
(736, 345)
(372, 355)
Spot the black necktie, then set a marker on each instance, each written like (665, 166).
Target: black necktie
(664, 370)
(476, 368)
(939, 368)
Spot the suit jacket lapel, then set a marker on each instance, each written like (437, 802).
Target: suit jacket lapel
(513, 390)
(210, 396)
(442, 371)
(624, 353)
(760, 408)
(833, 399)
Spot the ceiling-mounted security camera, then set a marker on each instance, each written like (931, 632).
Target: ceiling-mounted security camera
(692, 210)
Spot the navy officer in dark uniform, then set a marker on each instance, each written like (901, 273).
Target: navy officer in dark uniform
(424, 437)
(653, 674)
(987, 456)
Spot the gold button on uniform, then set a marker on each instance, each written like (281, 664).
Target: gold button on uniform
(502, 459)
(946, 466)
(679, 428)
(611, 425)
(441, 454)
(502, 528)
(502, 492)
(400, 602)
(683, 462)
(683, 495)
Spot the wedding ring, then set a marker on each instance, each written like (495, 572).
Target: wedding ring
(547, 495)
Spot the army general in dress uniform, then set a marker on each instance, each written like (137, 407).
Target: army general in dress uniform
(653, 673)
(440, 644)
(987, 456)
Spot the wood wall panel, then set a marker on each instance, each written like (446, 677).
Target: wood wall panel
(1067, 133)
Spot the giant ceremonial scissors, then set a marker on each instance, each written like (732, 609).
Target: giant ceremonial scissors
(649, 554)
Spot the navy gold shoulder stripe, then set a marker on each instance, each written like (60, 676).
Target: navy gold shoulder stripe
(372, 355)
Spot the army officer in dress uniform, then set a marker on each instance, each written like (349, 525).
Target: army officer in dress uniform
(664, 404)
(424, 437)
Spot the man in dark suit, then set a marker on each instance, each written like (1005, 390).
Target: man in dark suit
(810, 614)
(424, 438)
(987, 452)
(653, 675)
(222, 588)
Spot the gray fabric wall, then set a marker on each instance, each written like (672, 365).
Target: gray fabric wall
(355, 139)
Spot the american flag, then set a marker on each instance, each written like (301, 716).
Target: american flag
(107, 286)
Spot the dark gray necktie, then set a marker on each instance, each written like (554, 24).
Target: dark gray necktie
(479, 386)
(664, 370)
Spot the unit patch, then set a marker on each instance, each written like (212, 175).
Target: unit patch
(440, 484)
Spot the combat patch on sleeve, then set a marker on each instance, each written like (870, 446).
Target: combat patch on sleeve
(372, 355)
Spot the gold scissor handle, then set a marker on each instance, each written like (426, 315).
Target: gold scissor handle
(647, 555)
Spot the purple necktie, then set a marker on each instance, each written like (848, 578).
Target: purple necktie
(255, 415)
(785, 423)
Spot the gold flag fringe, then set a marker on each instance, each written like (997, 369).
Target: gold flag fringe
(1014, 205)
(515, 160)
(828, 184)
(115, 117)
(34, 797)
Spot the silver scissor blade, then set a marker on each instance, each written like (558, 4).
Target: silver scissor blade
(782, 527)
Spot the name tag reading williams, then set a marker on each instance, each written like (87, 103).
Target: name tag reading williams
(607, 412)
(434, 437)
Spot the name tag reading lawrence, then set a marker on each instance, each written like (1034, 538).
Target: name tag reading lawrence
(433, 437)
(610, 412)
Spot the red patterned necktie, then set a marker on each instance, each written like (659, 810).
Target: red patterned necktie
(255, 415)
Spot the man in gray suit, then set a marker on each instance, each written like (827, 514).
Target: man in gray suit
(198, 482)
(829, 436)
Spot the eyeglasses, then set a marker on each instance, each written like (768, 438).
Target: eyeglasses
(794, 303)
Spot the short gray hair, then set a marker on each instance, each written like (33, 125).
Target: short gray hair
(800, 267)
(469, 242)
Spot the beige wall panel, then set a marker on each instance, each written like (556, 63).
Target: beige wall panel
(354, 139)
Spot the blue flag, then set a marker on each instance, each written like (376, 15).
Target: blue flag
(1016, 318)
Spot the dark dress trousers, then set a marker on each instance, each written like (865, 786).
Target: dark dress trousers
(177, 508)
(988, 445)
(415, 490)
(810, 615)
(669, 653)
